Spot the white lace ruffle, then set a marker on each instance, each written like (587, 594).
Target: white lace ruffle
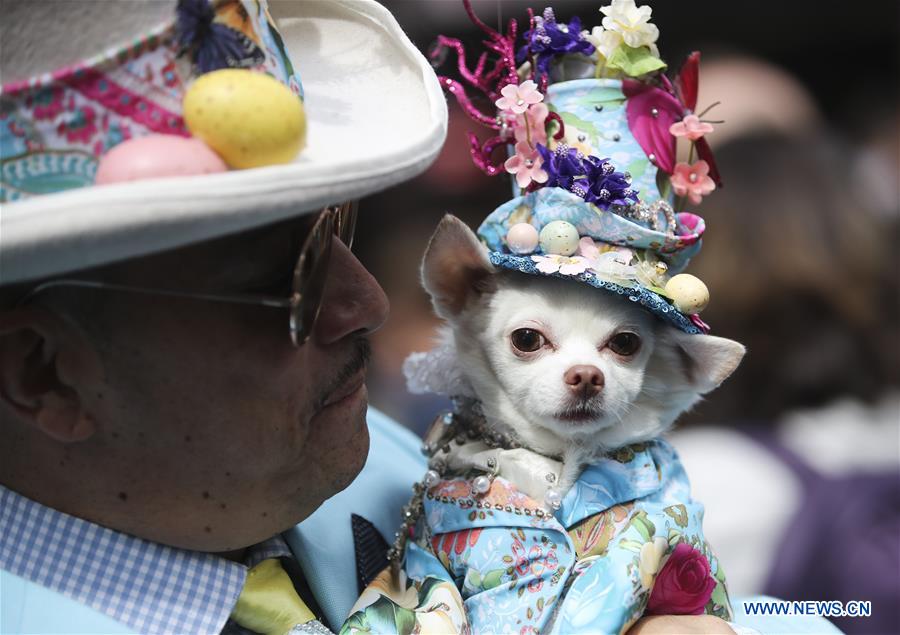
(437, 371)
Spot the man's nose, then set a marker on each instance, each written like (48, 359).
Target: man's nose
(354, 302)
(584, 381)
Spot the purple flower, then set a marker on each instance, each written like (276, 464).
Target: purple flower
(593, 179)
(562, 165)
(607, 187)
(548, 39)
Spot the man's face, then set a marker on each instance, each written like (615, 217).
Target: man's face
(212, 430)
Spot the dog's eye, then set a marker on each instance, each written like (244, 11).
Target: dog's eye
(527, 340)
(625, 343)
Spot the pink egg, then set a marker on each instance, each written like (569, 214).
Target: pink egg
(156, 156)
(522, 238)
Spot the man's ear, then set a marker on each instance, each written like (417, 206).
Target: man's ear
(707, 360)
(44, 362)
(455, 267)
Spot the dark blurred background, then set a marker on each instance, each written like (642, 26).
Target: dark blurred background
(801, 260)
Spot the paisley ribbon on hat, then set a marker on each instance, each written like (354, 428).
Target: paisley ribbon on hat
(54, 127)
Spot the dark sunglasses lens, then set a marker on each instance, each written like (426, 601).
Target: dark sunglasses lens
(309, 280)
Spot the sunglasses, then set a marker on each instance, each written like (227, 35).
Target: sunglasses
(307, 284)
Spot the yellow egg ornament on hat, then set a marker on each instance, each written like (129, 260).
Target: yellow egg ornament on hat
(249, 118)
(688, 293)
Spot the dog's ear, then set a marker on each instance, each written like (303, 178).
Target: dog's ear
(706, 360)
(455, 267)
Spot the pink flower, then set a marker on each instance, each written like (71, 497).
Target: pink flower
(566, 265)
(80, 126)
(691, 127)
(536, 116)
(47, 102)
(526, 165)
(516, 99)
(692, 181)
(683, 585)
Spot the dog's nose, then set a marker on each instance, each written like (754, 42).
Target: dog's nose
(583, 380)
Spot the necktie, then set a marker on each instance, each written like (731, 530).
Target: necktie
(268, 604)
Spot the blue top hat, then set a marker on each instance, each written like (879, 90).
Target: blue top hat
(591, 126)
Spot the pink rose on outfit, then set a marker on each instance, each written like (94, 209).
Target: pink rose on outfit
(683, 585)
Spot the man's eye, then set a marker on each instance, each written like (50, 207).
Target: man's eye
(625, 343)
(527, 340)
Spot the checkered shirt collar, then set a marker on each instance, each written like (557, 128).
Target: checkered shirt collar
(148, 587)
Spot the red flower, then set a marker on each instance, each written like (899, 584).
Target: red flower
(684, 585)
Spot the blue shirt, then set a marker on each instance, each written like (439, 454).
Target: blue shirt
(148, 587)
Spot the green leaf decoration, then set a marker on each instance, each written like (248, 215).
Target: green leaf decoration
(473, 579)
(492, 579)
(384, 616)
(637, 168)
(356, 623)
(643, 525)
(630, 545)
(664, 185)
(429, 585)
(634, 62)
(582, 124)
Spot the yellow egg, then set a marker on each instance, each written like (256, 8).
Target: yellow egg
(249, 118)
(688, 293)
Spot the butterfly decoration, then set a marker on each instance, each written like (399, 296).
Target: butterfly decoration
(651, 111)
(210, 44)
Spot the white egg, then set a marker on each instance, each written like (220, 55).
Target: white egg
(522, 238)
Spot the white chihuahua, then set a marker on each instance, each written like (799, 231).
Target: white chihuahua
(551, 504)
(568, 370)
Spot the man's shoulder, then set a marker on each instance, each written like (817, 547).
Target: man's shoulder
(324, 543)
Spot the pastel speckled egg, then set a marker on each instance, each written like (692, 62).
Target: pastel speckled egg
(688, 293)
(156, 156)
(522, 238)
(248, 117)
(559, 237)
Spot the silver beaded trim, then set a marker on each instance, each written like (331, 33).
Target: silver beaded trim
(644, 213)
(314, 627)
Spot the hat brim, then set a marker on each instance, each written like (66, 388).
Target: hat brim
(376, 116)
(650, 300)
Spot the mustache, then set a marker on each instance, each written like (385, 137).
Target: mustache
(360, 355)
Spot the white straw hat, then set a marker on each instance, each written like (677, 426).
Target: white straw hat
(374, 110)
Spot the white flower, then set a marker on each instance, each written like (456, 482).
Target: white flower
(651, 557)
(612, 264)
(604, 41)
(631, 22)
(567, 266)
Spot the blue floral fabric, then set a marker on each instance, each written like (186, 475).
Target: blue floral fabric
(590, 567)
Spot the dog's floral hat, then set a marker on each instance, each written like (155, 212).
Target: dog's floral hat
(592, 128)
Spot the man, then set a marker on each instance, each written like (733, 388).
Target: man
(182, 361)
